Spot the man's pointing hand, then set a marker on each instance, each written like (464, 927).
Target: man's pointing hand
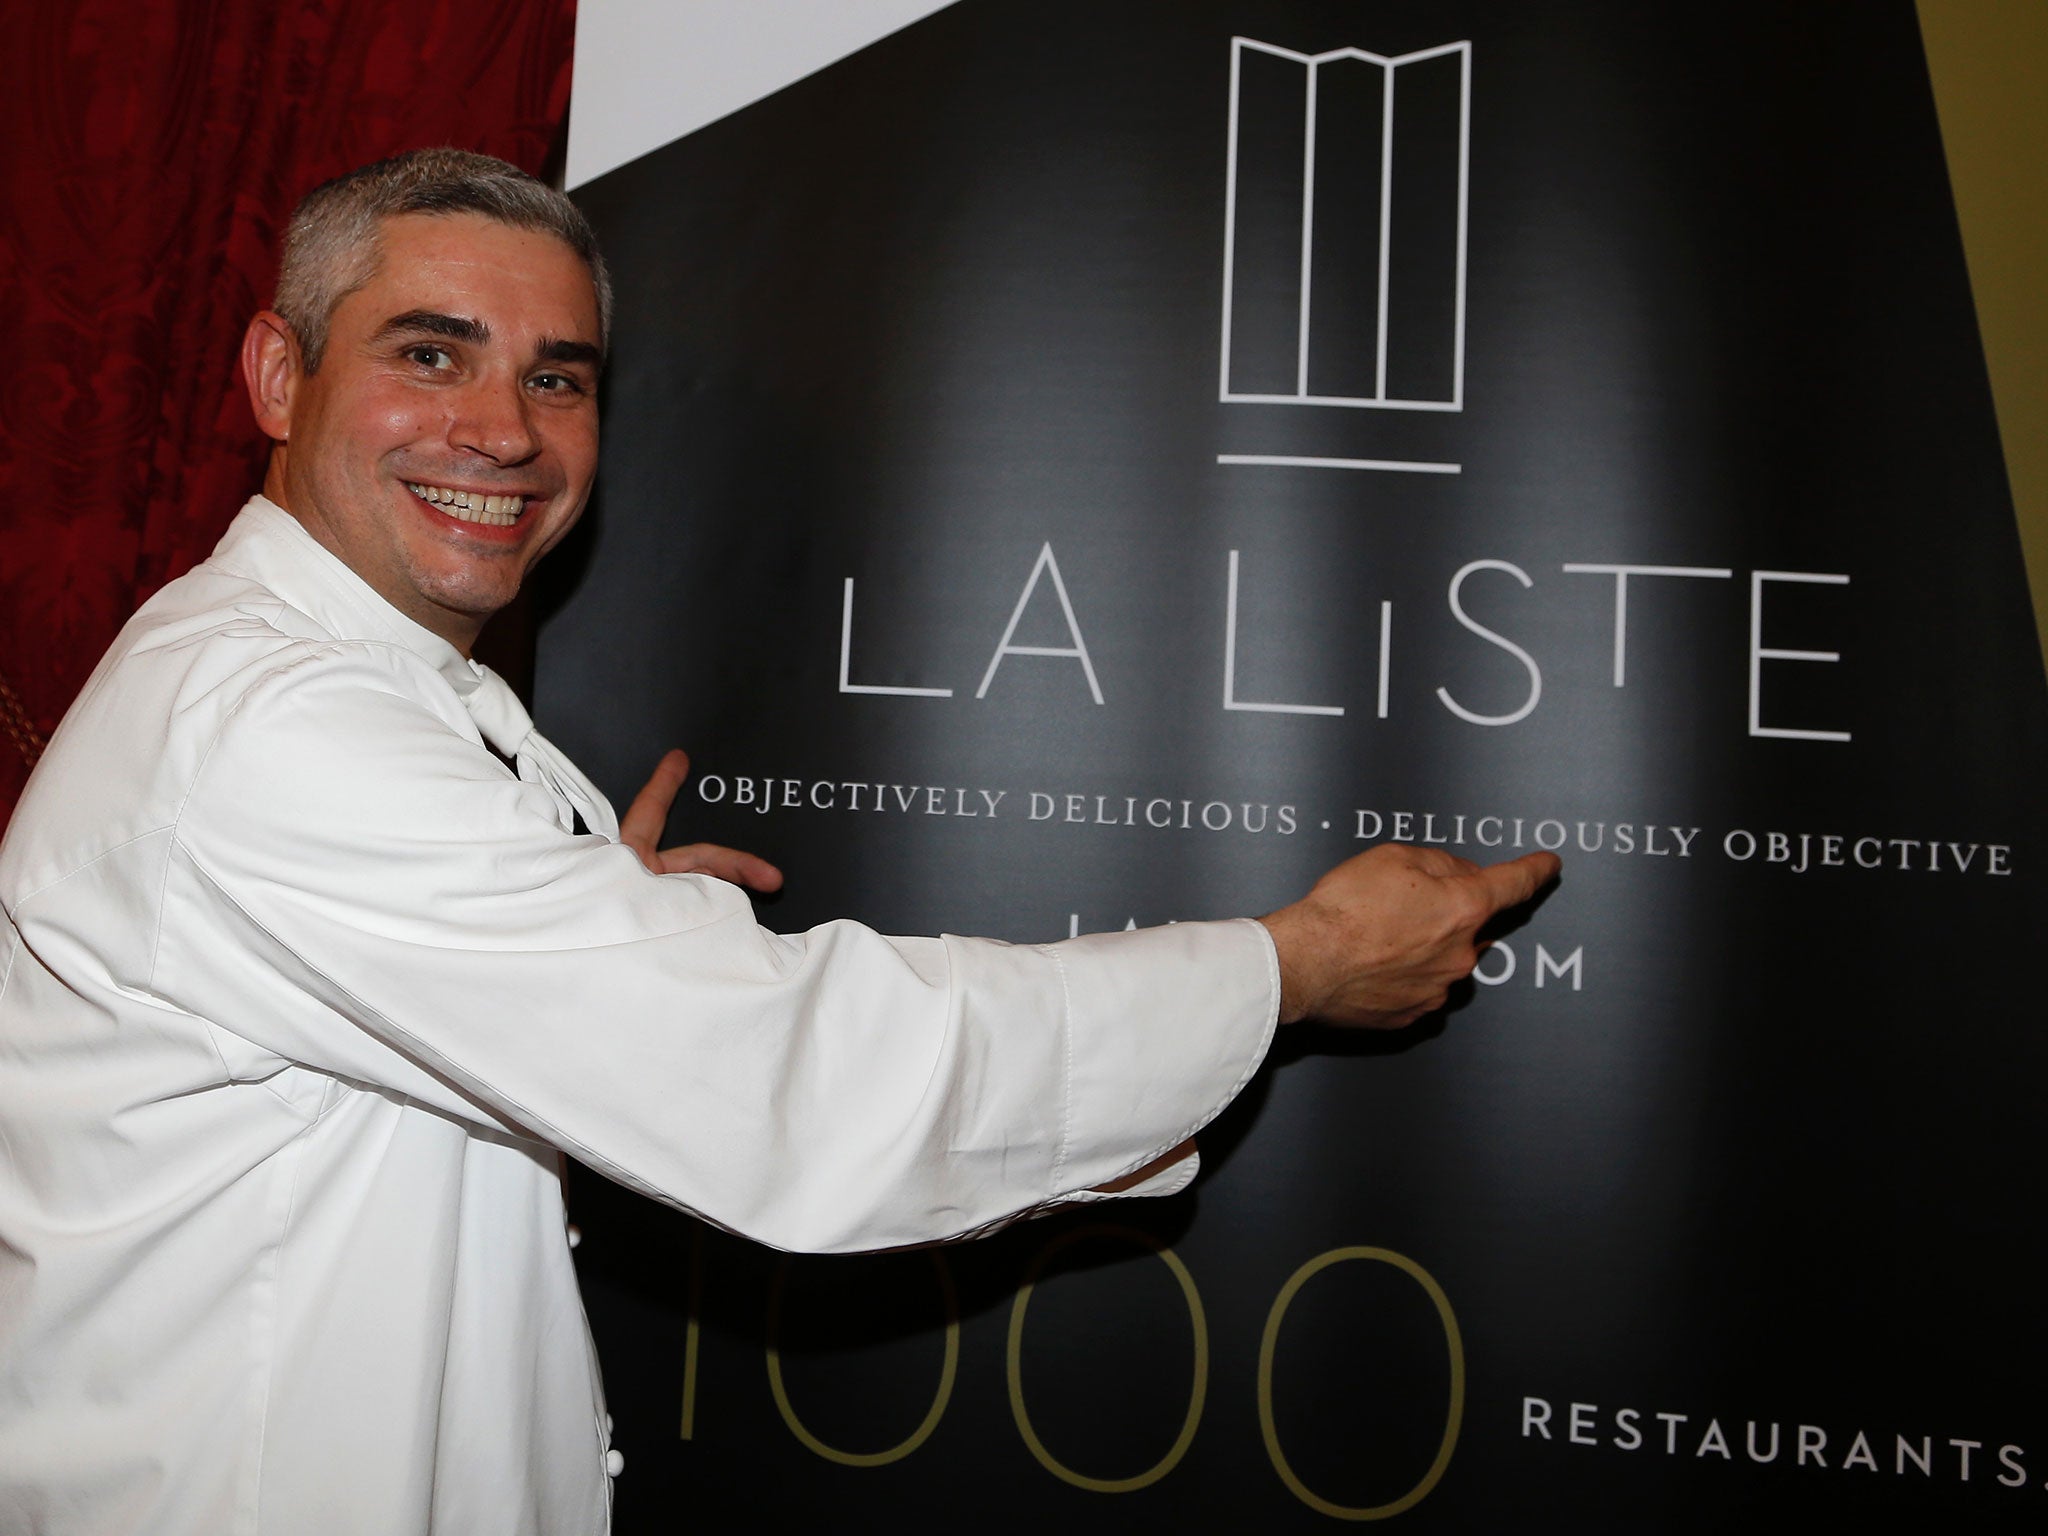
(1382, 938)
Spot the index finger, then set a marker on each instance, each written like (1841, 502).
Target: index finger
(646, 818)
(1511, 883)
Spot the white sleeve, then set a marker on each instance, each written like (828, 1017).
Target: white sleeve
(358, 886)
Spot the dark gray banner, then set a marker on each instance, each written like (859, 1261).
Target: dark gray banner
(1074, 466)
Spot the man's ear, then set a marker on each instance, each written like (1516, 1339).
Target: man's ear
(272, 368)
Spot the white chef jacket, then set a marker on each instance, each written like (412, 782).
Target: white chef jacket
(301, 991)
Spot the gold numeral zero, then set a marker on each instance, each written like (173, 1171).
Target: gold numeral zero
(951, 1300)
(1452, 1419)
(1014, 1360)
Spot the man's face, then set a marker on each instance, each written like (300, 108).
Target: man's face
(449, 438)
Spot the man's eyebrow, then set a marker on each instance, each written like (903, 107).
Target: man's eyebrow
(432, 323)
(553, 351)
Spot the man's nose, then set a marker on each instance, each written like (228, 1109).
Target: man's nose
(493, 417)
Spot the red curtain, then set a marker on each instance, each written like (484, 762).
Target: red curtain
(150, 151)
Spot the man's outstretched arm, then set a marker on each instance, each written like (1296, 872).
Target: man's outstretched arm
(1377, 943)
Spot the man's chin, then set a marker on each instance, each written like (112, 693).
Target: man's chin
(470, 596)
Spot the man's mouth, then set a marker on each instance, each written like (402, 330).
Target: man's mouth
(471, 506)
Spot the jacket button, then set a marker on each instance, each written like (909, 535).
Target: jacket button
(614, 1463)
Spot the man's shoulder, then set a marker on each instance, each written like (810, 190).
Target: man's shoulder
(216, 641)
(212, 652)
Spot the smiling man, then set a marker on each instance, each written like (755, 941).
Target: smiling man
(441, 435)
(317, 957)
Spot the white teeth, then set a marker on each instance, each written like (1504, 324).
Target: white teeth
(472, 506)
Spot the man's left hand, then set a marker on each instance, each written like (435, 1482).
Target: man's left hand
(641, 827)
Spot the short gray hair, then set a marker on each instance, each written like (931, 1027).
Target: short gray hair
(332, 246)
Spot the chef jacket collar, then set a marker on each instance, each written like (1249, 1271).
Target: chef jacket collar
(268, 543)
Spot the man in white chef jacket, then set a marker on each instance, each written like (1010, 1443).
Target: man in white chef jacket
(317, 956)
